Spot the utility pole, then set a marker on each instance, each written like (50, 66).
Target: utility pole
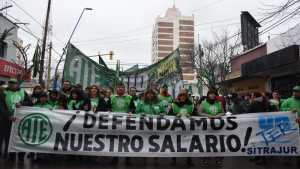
(49, 66)
(41, 71)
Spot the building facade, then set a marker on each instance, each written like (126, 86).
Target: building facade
(8, 51)
(9, 66)
(238, 83)
(171, 32)
(274, 65)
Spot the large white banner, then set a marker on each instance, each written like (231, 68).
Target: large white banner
(116, 134)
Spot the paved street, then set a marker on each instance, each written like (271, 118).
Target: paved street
(137, 163)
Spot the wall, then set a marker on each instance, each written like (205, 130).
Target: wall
(11, 51)
(291, 37)
(252, 54)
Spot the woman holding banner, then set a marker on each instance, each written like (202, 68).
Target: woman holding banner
(150, 105)
(42, 101)
(77, 102)
(97, 101)
(182, 107)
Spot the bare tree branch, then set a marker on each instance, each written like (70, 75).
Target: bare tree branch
(212, 60)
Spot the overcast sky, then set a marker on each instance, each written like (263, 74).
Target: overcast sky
(125, 26)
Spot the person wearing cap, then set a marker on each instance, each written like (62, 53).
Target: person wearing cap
(150, 105)
(121, 102)
(293, 103)
(183, 106)
(165, 98)
(14, 97)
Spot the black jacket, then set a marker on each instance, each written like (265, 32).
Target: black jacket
(4, 115)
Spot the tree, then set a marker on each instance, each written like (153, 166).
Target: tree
(24, 63)
(211, 60)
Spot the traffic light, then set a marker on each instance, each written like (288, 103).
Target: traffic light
(111, 53)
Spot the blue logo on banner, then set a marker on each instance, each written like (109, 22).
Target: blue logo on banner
(274, 128)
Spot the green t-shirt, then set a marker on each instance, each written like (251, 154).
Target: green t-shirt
(74, 105)
(211, 109)
(154, 108)
(165, 101)
(13, 97)
(291, 104)
(94, 102)
(185, 110)
(53, 104)
(120, 103)
(46, 105)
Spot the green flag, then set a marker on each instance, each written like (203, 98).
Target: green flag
(36, 60)
(80, 69)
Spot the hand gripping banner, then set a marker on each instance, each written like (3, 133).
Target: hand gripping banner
(116, 134)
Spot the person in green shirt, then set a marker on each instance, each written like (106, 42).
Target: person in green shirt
(211, 107)
(42, 101)
(132, 93)
(183, 106)
(165, 98)
(76, 101)
(53, 100)
(97, 99)
(150, 105)
(14, 97)
(293, 103)
(121, 102)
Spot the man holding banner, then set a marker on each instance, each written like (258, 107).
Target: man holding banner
(293, 104)
(121, 102)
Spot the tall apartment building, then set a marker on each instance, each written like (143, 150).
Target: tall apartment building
(170, 32)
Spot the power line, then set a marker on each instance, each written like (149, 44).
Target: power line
(281, 21)
(27, 13)
(34, 19)
(104, 40)
(288, 5)
(28, 31)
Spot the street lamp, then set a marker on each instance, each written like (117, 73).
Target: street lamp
(64, 49)
(84, 9)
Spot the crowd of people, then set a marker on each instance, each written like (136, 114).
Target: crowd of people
(152, 101)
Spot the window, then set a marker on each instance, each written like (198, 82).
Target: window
(3, 48)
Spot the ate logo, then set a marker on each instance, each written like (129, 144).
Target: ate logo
(35, 129)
